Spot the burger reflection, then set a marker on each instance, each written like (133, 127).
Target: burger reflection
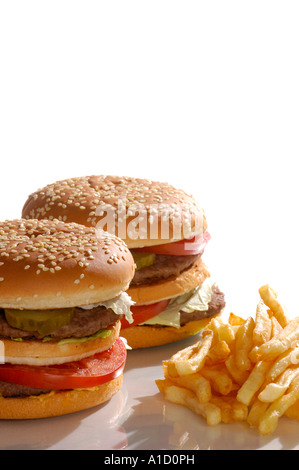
(155, 424)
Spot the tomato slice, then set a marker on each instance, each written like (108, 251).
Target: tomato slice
(141, 313)
(191, 246)
(89, 372)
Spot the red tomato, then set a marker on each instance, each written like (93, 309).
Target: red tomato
(90, 372)
(141, 313)
(191, 246)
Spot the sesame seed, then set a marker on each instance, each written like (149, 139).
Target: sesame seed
(42, 244)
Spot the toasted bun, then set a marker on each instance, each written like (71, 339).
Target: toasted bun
(87, 200)
(148, 336)
(51, 264)
(58, 403)
(171, 287)
(40, 353)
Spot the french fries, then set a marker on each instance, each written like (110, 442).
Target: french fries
(270, 298)
(245, 370)
(263, 325)
(191, 359)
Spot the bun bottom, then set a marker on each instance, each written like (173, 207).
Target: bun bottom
(58, 403)
(39, 353)
(148, 336)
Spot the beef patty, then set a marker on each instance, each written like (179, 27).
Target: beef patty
(164, 267)
(14, 390)
(83, 323)
(215, 306)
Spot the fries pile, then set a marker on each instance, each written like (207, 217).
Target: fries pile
(245, 370)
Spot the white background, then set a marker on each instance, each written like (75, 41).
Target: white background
(202, 94)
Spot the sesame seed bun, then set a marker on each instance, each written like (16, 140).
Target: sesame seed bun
(52, 264)
(57, 403)
(85, 199)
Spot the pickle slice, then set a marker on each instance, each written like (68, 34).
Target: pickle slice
(42, 321)
(143, 260)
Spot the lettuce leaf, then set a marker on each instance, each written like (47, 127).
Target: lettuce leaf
(99, 334)
(196, 299)
(120, 305)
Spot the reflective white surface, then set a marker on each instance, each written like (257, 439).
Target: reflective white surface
(138, 418)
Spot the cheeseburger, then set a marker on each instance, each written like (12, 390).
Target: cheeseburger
(61, 303)
(166, 232)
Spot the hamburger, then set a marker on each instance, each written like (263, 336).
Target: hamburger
(166, 232)
(61, 304)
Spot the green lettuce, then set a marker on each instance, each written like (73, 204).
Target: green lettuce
(99, 334)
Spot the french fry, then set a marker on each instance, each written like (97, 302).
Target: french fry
(231, 410)
(254, 354)
(240, 411)
(253, 383)
(270, 298)
(218, 353)
(191, 360)
(257, 410)
(289, 358)
(234, 320)
(182, 355)
(275, 390)
(276, 327)
(162, 384)
(270, 418)
(195, 382)
(285, 340)
(293, 411)
(221, 331)
(263, 325)
(244, 344)
(239, 376)
(187, 398)
(219, 378)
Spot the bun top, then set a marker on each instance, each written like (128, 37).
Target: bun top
(139, 211)
(51, 264)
